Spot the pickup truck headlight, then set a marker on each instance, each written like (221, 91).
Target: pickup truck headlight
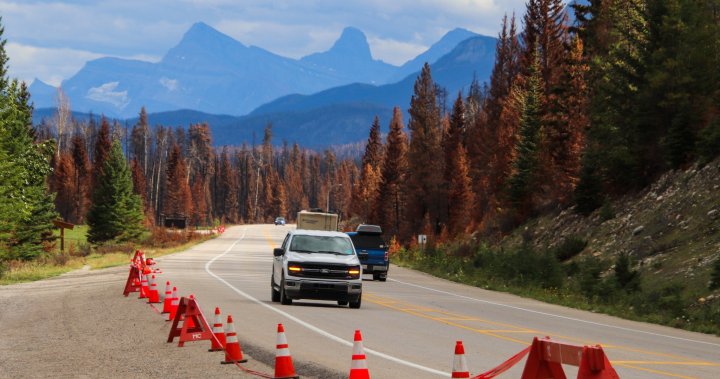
(294, 269)
(354, 272)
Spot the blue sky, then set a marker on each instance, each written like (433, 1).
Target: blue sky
(52, 39)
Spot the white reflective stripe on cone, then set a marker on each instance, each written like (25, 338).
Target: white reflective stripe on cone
(459, 363)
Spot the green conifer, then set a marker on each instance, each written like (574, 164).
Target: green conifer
(116, 213)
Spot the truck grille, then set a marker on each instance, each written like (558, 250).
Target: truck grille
(321, 271)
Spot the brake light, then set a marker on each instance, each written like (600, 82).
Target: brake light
(387, 256)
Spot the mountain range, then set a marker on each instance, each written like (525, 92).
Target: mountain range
(334, 93)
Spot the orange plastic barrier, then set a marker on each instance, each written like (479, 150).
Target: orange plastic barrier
(188, 310)
(133, 281)
(547, 357)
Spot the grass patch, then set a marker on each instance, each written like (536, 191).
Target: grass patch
(54, 264)
(586, 283)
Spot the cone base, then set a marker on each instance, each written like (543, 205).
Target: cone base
(218, 349)
(286, 377)
(231, 362)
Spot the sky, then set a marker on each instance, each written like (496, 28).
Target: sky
(52, 39)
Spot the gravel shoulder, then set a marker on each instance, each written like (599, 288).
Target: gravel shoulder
(79, 325)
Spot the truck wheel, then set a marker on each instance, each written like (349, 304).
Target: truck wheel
(275, 293)
(284, 300)
(376, 276)
(342, 303)
(356, 304)
(383, 277)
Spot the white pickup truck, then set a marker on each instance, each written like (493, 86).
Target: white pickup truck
(318, 265)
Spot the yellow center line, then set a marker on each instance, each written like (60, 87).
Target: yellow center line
(682, 363)
(417, 311)
(665, 373)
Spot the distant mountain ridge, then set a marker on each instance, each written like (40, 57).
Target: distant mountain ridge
(338, 115)
(211, 72)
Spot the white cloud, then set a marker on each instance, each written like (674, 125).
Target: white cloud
(106, 93)
(47, 64)
(170, 84)
(395, 52)
(141, 28)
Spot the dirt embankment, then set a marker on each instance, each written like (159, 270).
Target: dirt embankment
(671, 229)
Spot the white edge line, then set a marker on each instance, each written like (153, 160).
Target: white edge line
(306, 324)
(555, 315)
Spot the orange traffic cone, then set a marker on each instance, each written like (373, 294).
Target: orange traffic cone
(174, 303)
(154, 294)
(283, 362)
(144, 289)
(167, 302)
(460, 369)
(233, 353)
(358, 368)
(218, 343)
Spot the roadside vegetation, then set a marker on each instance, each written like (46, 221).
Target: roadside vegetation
(79, 253)
(598, 285)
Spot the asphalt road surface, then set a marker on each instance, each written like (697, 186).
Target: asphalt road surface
(410, 323)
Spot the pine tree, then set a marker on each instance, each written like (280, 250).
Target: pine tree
(199, 206)
(460, 196)
(390, 204)
(64, 185)
(140, 142)
(423, 184)
(364, 192)
(525, 165)
(178, 200)
(26, 207)
(491, 138)
(201, 156)
(81, 197)
(229, 189)
(116, 213)
(103, 145)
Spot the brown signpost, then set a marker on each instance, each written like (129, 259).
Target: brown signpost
(62, 225)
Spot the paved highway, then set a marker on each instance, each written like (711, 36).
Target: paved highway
(411, 322)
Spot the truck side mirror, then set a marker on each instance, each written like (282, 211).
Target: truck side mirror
(278, 252)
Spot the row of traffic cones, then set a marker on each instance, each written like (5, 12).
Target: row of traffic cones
(225, 339)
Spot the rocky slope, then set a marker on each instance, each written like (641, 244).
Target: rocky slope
(671, 229)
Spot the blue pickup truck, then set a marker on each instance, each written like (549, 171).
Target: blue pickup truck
(372, 250)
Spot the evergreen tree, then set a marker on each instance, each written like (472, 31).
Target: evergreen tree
(390, 204)
(81, 197)
(116, 213)
(626, 278)
(178, 200)
(64, 185)
(525, 165)
(423, 185)
(139, 186)
(715, 276)
(140, 143)
(364, 192)
(26, 207)
(491, 138)
(460, 196)
(103, 145)
(617, 75)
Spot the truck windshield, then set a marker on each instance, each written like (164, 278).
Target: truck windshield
(321, 244)
(368, 241)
